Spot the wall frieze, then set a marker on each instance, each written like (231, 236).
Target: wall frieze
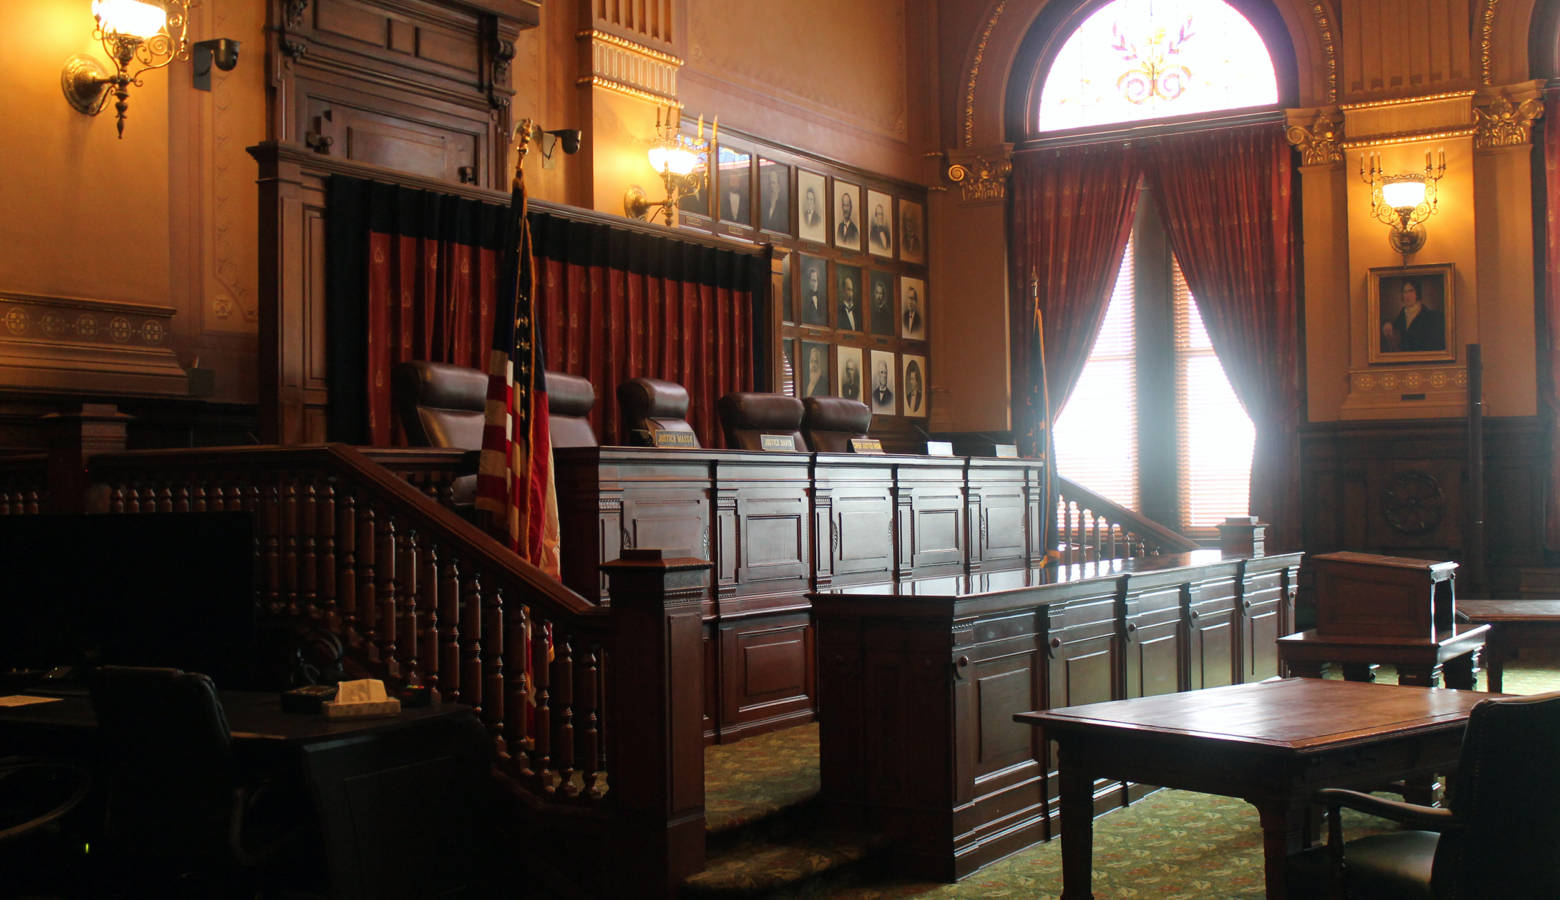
(629, 67)
(975, 65)
(980, 174)
(1318, 135)
(1324, 33)
(1503, 117)
(1487, 42)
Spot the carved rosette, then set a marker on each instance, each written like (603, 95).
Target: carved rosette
(1503, 117)
(1413, 502)
(981, 174)
(1318, 135)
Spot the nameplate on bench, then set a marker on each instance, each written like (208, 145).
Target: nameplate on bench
(939, 448)
(674, 439)
(1004, 451)
(783, 442)
(866, 445)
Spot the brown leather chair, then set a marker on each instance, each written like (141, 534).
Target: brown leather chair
(569, 400)
(440, 405)
(650, 405)
(1497, 836)
(829, 423)
(747, 417)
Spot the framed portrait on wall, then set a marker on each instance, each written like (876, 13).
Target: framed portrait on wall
(815, 369)
(814, 299)
(1411, 314)
(849, 315)
(912, 231)
(881, 395)
(734, 185)
(912, 387)
(880, 305)
(912, 309)
(848, 364)
(774, 196)
(847, 215)
(880, 224)
(812, 216)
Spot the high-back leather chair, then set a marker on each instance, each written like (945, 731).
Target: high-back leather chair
(569, 401)
(440, 405)
(746, 417)
(1499, 833)
(650, 405)
(828, 423)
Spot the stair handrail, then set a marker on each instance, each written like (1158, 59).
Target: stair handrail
(1114, 525)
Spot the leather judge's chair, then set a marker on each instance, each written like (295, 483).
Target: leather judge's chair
(569, 400)
(1500, 833)
(829, 423)
(440, 405)
(648, 406)
(747, 417)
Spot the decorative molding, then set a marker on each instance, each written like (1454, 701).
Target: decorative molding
(975, 64)
(79, 344)
(503, 53)
(1405, 101)
(1503, 117)
(1412, 502)
(1487, 42)
(628, 67)
(981, 175)
(1408, 137)
(1320, 142)
(294, 12)
(1324, 33)
(1397, 380)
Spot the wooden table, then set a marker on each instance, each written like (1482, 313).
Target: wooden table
(1272, 744)
(1419, 661)
(1514, 624)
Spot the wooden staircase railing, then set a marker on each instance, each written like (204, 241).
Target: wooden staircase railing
(24, 484)
(610, 756)
(1090, 527)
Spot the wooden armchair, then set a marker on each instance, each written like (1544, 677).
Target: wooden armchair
(1498, 836)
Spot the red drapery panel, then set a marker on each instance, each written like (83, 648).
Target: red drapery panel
(1550, 385)
(617, 305)
(1072, 212)
(1227, 205)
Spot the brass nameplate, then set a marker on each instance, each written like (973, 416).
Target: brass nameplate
(784, 442)
(665, 438)
(866, 445)
(1005, 451)
(939, 448)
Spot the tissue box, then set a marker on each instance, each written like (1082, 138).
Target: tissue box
(357, 699)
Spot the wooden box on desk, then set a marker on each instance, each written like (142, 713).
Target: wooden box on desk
(1383, 596)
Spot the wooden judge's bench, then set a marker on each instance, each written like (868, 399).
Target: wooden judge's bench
(778, 525)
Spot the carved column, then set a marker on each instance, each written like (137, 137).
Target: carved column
(1317, 134)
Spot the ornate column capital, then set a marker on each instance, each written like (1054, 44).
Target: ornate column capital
(1317, 133)
(981, 172)
(1503, 115)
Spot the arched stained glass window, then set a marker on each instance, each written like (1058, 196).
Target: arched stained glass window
(1148, 59)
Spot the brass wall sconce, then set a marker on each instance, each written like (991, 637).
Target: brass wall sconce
(1403, 202)
(682, 163)
(139, 36)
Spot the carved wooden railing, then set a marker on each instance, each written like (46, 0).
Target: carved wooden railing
(418, 594)
(24, 484)
(1090, 527)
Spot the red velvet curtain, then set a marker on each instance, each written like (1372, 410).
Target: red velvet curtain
(1550, 385)
(1072, 212)
(1227, 206)
(618, 304)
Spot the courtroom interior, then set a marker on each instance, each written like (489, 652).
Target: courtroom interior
(628, 402)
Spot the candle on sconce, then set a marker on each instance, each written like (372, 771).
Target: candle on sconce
(701, 127)
(715, 131)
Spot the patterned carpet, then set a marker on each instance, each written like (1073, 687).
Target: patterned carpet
(1171, 845)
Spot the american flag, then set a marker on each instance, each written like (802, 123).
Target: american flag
(515, 477)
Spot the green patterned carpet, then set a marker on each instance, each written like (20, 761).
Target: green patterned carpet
(1171, 845)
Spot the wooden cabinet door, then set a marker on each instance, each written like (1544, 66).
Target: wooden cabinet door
(1084, 666)
(1152, 638)
(1213, 631)
(1261, 615)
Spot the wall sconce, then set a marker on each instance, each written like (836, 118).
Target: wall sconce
(548, 141)
(682, 163)
(138, 35)
(1403, 202)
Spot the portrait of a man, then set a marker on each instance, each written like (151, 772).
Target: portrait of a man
(912, 315)
(850, 372)
(815, 369)
(911, 249)
(880, 312)
(847, 230)
(734, 185)
(880, 228)
(1412, 313)
(882, 393)
(914, 392)
(849, 315)
(774, 196)
(815, 292)
(812, 219)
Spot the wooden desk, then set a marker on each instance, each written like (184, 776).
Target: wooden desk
(1419, 661)
(1272, 744)
(1514, 624)
(394, 796)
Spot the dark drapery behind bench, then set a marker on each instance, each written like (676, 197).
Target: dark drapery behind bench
(412, 274)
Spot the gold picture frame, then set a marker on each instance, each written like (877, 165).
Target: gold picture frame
(1411, 314)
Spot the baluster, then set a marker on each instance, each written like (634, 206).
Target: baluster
(287, 536)
(118, 500)
(164, 499)
(1074, 514)
(34, 501)
(562, 669)
(471, 603)
(541, 699)
(366, 607)
(428, 604)
(1095, 541)
(346, 566)
(325, 560)
(199, 502)
(308, 593)
(451, 685)
(406, 587)
(5, 502)
(588, 684)
(522, 721)
(493, 669)
(386, 595)
(270, 546)
(181, 498)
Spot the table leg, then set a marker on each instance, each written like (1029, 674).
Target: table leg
(1077, 808)
(1495, 655)
(1459, 672)
(1285, 824)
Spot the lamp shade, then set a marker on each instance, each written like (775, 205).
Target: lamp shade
(131, 18)
(677, 159)
(1405, 194)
